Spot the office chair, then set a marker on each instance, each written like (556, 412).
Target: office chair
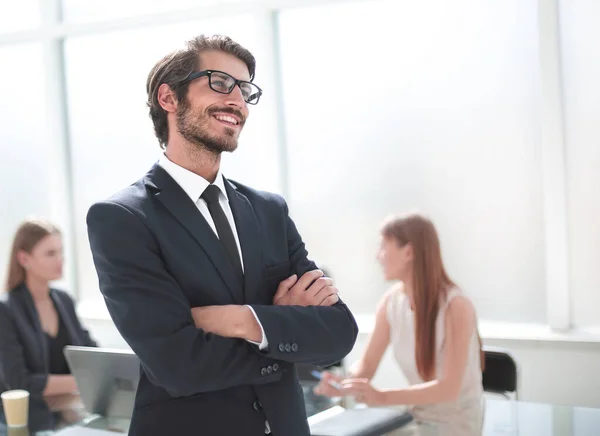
(500, 373)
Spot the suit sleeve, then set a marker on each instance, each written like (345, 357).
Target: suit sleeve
(13, 367)
(153, 315)
(316, 335)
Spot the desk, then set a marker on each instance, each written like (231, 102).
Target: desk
(502, 418)
(511, 418)
(48, 415)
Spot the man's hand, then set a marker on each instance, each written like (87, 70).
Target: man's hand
(230, 321)
(311, 290)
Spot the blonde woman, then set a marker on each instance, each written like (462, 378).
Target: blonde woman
(37, 321)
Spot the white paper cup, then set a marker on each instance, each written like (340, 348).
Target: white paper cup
(16, 407)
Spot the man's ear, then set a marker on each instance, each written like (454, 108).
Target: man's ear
(166, 98)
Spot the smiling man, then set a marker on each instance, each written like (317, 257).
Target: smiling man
(208, 280)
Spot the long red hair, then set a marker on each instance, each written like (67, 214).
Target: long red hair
(430, 280)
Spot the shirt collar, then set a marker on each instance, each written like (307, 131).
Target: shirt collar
(193, 184)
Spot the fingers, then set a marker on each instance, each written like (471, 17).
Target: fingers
(330, 294)
(307, 278)
(325, 390)
(285, 286)
(322, 292)
(312, 289)
(319, 284)
(325, 387)
(329, 376)
(355, 382)
(354, 386)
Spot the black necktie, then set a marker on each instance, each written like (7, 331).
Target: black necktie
(211, 196)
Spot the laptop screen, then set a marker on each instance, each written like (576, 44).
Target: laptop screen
(107, 379)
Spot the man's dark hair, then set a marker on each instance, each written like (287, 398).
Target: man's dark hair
(178, 65)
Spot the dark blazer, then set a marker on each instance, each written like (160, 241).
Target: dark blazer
(157, 257)
(24, 359)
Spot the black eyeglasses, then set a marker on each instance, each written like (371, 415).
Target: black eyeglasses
(223, 83)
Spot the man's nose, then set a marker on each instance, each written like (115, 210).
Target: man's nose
(236, 98)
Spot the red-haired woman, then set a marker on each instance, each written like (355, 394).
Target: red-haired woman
(432, 327)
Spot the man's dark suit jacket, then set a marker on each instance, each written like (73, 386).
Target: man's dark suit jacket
(157, 257)
(24, 358)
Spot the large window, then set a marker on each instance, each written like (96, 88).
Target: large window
(26, 159)
(427, 105)
(112, 137)
(581, 69)
(18, 15)
(94, 10)
(370, 107)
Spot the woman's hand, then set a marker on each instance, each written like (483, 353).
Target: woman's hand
(325, 387)
(362, 390)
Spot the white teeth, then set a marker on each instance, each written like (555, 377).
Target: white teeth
(226, 119)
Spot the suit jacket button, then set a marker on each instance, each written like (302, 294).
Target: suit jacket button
(288, 347)
(263, 371)
(294, 347)
(257, 406)
(269, 369)
(275, 367)
(281, 347)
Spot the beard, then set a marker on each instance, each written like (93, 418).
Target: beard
(194, 126)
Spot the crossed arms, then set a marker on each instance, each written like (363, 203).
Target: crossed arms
(153, 315)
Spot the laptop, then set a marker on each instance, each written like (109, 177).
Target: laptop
(107, 380)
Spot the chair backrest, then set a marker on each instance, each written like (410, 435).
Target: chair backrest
(500, 374)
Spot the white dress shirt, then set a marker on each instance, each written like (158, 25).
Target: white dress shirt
(194, 185)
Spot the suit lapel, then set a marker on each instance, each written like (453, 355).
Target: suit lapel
(32, 313)
(66, 318)
(249, 233)
(177, 202)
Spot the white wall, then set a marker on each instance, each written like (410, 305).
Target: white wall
(580, 33)
(427, 105)
(25, 177)
(105, 333)
(563, 373)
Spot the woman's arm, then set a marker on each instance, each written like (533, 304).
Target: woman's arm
(13, 368)
(367, 365)
(459, 328)
(59, 385)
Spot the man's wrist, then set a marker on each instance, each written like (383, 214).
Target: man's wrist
(247, 328)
